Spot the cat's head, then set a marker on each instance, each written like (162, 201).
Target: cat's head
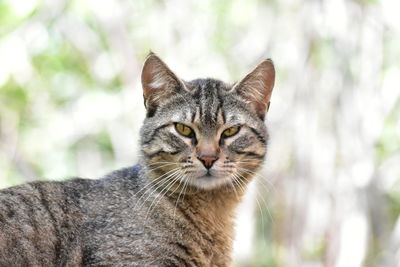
(204, 133)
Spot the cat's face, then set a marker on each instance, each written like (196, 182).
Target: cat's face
(204, 133)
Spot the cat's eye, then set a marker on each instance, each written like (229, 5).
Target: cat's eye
(231, 131)
(183, 129)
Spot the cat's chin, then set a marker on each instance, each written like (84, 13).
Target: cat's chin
(208, 181)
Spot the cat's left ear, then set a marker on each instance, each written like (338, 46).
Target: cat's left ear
(158, 82)
(256, 87)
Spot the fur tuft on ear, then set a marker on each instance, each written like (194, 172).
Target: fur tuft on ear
(158, 82)
(256, 87)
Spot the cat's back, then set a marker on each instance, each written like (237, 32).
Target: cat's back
(55, 223)
(38, 222)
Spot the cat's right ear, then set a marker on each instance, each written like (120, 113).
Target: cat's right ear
(158, 82)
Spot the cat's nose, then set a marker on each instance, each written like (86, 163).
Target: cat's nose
(208, 160)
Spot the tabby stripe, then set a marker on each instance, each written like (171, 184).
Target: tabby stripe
(31, 215)
(250, 154)
(32, 223)
(193, 222)
(45, 203)
(2, 219)
(65, 207)
(220, 106)
(259, 136)
(155, 133)
(182, 247)
(187, 252)
(193, 116)
(9, 210)
(28, 204)
(202, 101)
(200, 111)
(180, 260)
(159, 152)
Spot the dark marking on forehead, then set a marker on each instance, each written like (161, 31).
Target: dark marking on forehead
(221, 107)
(193, 116)
(209, 101)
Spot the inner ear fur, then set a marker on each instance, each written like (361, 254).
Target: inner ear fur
(256, 87)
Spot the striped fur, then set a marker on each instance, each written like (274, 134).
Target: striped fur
(169, 210)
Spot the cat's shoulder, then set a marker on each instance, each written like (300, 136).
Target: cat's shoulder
(130, 174)
(122, 179)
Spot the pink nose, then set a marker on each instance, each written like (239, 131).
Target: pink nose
(208, 160)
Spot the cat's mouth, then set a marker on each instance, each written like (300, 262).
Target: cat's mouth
(207, 180)
(208, 174)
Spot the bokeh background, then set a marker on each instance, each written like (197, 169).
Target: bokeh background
(329, 194)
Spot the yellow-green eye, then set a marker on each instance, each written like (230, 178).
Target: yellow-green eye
(183, 129)
(231, 131)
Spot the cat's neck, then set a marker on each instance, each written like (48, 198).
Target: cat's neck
(219, 201)
(207, 216)
(211, 213)
(217, 205)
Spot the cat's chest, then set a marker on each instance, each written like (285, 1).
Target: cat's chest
(121, 232)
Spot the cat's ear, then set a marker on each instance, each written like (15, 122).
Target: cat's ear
(256, 87)
(158, 82)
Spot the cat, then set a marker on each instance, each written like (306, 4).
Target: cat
(201, 143)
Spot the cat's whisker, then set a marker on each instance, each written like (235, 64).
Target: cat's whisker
(249, 159)
(162, 166)
(186, 181)
(165, 180)
(154, 181)
(177, 188)
(170, 181)
(260, 208)
(160, 182)
(231, 181)
(159, 167)
(259, 195)
(238, 183)
(248, 162)
(173, 180)
(260, 179)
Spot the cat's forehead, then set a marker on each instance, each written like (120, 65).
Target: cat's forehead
(206, 118)
(209, 104)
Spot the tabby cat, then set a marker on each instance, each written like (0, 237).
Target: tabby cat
(201, 143)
